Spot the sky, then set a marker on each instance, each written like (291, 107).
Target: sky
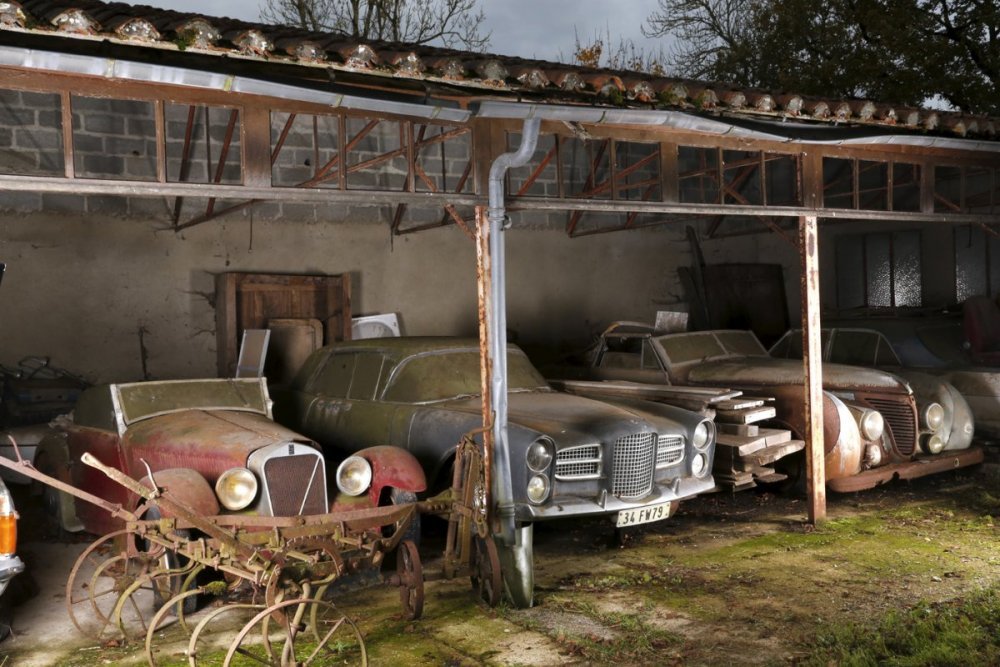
(528, 28)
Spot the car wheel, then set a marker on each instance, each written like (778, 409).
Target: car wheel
(794, 469)
(518, 567)
(52, 502)
(401, 497)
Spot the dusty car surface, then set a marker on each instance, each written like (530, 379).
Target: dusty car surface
(935, 346)
(864, 347)
(870, 417)
(707, 357)
(570, 456)
(214, 445)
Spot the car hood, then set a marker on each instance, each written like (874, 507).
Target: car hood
(765, 371)
(571, 420)
(190, 436)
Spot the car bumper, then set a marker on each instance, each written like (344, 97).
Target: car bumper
(576, 506)
(925, 465)
(10, 566)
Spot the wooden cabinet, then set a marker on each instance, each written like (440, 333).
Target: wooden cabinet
(253, 300)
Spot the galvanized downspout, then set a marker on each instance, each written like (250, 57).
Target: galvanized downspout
(496, 327)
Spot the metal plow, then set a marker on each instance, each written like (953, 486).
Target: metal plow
(264, 581)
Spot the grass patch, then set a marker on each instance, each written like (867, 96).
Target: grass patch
(957, 632)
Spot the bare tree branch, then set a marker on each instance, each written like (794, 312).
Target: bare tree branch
(452, 23)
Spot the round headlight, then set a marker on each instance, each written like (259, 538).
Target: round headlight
(699, 465)
(872, 425)
(538, 488)
(873, 455)
(354, 476)
(932, 443)
(539, 456)
(701, 435)
(236, 488)
(933, 416)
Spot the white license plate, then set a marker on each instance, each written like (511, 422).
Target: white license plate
(647, 514)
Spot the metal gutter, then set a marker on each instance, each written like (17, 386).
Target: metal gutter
(682, 120)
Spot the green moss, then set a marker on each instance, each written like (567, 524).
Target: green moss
(963, 632)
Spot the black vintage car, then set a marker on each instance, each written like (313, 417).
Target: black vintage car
(570, 456)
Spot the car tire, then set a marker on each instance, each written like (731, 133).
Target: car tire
(401, 497)
(518, 568)
(55, 522)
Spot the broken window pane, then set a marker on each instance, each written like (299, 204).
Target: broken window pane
(304, 150)
(838, 183)
(586, 167)
(443, 158)
(873, 185)
(741, 178)
(376, 154)
(782, 180)
(114, 139)
(637, 171)
(537, 178)
(698, 170)
(203, 144)
(947, 189)
(905, 187)
(31, 141)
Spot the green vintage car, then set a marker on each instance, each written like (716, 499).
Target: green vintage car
(570, 456)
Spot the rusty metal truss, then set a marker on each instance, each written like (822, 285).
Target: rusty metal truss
(217, 152)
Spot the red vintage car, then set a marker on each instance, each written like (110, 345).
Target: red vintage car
(213, 444)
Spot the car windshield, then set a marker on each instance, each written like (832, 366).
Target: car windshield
(448, 374)
(143, 400)
(704, 345)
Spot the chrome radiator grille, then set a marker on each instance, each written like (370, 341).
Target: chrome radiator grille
(669, 451)
(901, 420)
(296, 484)
(579, 463)
(634, 462)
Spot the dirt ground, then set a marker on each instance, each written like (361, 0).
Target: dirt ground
(731, 579)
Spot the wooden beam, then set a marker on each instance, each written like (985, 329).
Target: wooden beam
(813, 368)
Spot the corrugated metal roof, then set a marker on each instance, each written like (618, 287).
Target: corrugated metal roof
(189, 37)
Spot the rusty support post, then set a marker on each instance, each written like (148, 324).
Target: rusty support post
(813, 368)
(484, 285)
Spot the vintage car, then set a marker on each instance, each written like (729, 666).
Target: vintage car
(214, 445)
(937, 345)
(861, 347)
(872, 428)
(569, 456)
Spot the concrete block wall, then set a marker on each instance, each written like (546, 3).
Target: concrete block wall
(106, 288)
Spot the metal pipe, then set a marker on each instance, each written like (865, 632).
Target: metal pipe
(496, 328)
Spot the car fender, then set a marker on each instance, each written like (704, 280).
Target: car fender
(188, 487)
(52, 458)
(393, 467)
(958, 427)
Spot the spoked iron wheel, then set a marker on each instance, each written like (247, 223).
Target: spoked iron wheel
(312, 632)
(98, 578)
(210, 626)
(486, 577)
(138, 604)
(410, 579)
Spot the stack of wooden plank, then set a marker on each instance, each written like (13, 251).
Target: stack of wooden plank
(744, 451)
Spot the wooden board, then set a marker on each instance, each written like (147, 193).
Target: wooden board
(252, 300)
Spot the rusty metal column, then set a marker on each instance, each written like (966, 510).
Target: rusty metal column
(812, 366)
(484, 285)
